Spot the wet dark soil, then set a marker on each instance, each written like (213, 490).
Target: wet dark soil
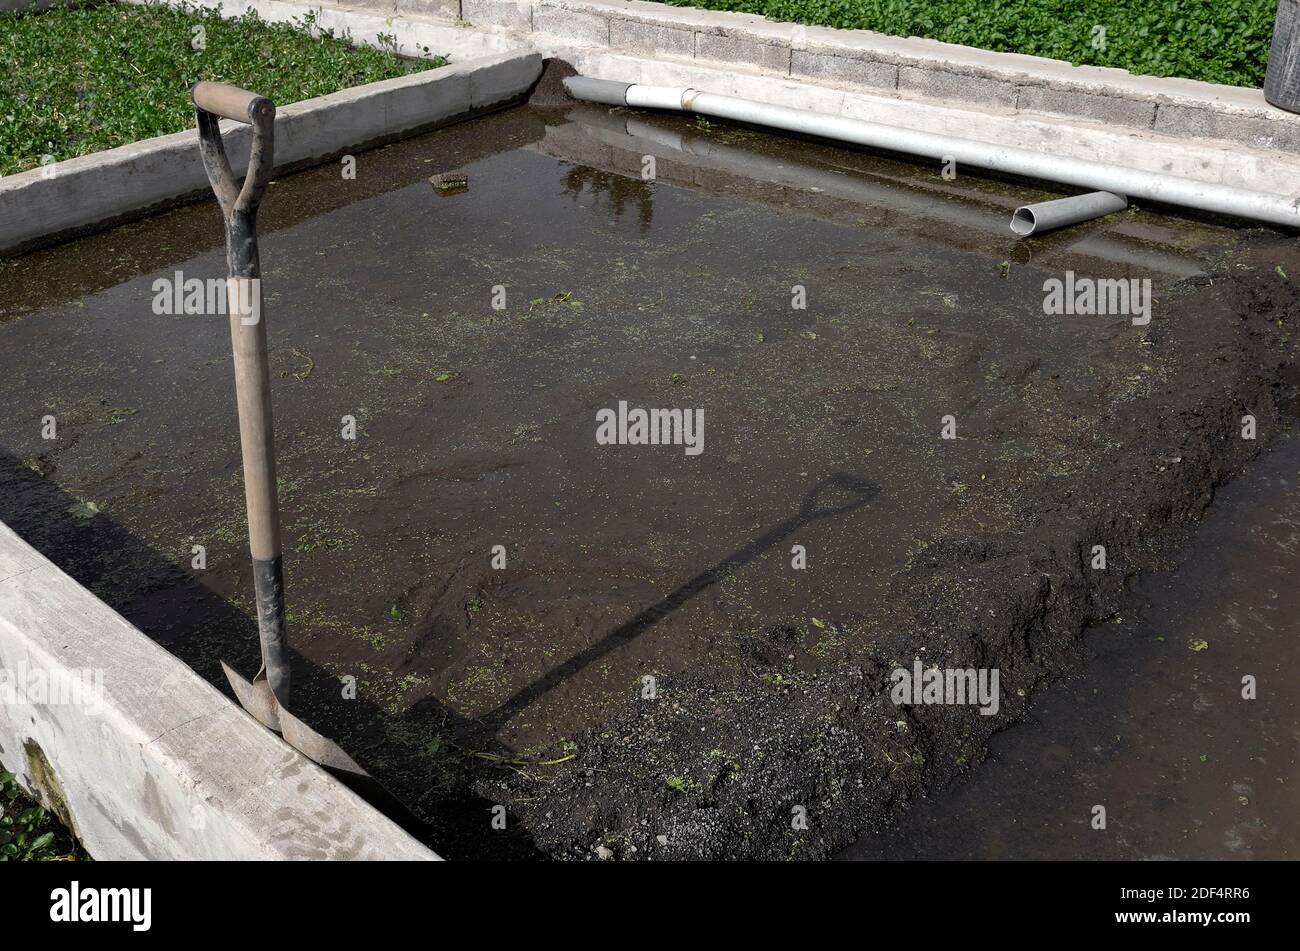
(1159, 724)
(526, 686)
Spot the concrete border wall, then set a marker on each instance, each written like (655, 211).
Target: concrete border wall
(874, 62)
(1195, 130)
(45, 204)
(148, 760)
(1207, 160)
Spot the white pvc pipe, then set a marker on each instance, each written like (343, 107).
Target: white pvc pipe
(1098, 176)
(1050, 215)
(655, 97)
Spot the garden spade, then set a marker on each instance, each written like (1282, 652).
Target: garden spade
(267, 697)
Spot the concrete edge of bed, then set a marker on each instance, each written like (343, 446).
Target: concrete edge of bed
(141, 757)
(54, 202)
(870, 62)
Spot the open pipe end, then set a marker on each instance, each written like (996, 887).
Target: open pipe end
(1023, 222)
(605, 91)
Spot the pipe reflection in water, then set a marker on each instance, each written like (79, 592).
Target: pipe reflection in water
(962, 216)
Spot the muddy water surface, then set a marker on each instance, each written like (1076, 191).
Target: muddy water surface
(825, 310)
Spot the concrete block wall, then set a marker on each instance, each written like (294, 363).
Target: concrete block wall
(907, 67)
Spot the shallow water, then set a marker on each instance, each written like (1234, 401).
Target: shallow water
(477, 425)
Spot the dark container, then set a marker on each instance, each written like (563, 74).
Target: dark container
(1282, 79)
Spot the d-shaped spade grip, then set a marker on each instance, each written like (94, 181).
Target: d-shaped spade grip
(231, 102)
(216, 101)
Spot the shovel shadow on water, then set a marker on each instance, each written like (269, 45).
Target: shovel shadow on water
(836, 496)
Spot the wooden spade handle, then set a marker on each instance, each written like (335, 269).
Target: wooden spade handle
(231, 102)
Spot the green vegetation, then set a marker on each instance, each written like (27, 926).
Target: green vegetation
(1219, 41)
(27, 832)
(79, 79)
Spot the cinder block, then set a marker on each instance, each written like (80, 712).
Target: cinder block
(1199, 122)
(572, 26)
(508, 14)
(798, 95)
(445, 9)
(844, 69)
(648, 38)
(665, 72)
(941, 84)
(386, 8)
(733, 49)
(1112, 110)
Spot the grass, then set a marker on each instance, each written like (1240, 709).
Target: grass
(1218, 41)
(80, 79)
(28, 833)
